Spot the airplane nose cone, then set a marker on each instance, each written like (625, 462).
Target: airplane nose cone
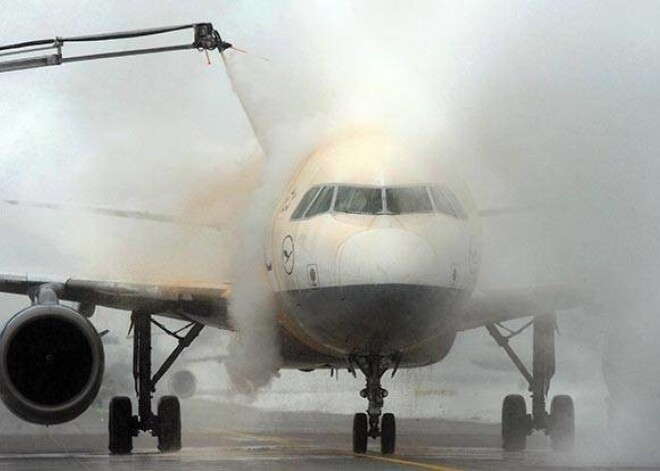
(387, 256)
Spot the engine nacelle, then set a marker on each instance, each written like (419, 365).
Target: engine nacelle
(183, 384)
(51, 364)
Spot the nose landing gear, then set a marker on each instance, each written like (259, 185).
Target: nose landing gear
(371, 424)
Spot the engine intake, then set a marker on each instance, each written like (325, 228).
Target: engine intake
(51, 364)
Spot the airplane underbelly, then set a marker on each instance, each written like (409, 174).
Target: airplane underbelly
(370, 319)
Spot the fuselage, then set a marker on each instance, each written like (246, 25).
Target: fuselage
(372, 251)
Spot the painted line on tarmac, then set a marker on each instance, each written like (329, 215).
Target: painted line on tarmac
(414, 464)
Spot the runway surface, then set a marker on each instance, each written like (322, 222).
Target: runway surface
(241, 438)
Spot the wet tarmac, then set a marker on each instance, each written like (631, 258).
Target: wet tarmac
(251, 439)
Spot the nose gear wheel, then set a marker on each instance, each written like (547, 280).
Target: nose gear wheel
(360, 430)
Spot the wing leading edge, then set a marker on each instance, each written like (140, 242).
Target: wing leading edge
(203, 304)
(502, 305)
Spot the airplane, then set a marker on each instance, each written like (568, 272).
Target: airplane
(373, 255)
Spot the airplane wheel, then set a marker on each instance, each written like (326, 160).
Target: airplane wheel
(562, 424)
(388, 434)
(514, 423)
(360, 433)
(120, 426)
(169, 420)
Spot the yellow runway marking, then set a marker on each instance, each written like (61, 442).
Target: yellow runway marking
(415, 464)
(286, 441)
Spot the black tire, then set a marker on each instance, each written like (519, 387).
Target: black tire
(169, 424)
(562, 424)
(387, 434)
(360, 433)
(120, 426)
(515, 424)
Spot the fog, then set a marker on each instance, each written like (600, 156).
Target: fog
(534, 104)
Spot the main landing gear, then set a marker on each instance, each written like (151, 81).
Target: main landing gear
(166, 423)
(517, 424)
(371, 424)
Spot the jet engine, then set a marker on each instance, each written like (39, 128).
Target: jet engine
(183, 384)
(51, 363)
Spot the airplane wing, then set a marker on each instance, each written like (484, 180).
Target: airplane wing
(200, 303)
(120, 213)
(501, 305)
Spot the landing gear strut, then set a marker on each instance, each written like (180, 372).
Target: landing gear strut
(517, 424)
(166, 424)
(371, 424)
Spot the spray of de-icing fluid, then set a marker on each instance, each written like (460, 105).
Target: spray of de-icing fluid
(532, 105)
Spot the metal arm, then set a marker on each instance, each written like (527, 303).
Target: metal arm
(205, 39)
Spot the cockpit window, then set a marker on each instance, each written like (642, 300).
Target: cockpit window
(446, 202)
(359, 200)
(322, 203)
(304, 203)
(373, 201)
(408, 200)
